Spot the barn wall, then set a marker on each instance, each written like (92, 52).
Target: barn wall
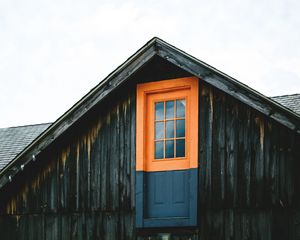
(246, 160)
(248, 179)
(83, 187)
(248, 174)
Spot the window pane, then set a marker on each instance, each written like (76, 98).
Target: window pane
(180, 128)
(159, 111)
(159, 149)
(180, 148)
(170, 149)
(169, 109)
(169, 129)
(159, 130)
(180, 108)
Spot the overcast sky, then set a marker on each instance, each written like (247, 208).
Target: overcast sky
(53, 52)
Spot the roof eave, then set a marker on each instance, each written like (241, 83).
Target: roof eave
(181, 59)
(229, 85)
(104, 88)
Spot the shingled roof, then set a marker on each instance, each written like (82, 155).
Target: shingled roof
(14, 140)
(290, 101)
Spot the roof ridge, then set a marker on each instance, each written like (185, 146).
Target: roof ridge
(29, 125)
(285, 95)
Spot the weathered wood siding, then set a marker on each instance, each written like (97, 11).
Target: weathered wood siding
(248, 174)
(249, 164)
(83, 186)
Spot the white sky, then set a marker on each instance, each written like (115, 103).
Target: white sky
(53, 52)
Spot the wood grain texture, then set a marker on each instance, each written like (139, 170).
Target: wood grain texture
(83, 185)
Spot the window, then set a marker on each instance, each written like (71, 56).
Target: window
(166, 112)
(167, 153)
(169, 128)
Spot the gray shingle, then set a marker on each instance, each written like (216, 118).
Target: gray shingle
(14, 140)
(290, 101)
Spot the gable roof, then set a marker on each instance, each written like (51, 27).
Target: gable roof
(13, 140)
(155, 47)
(290, 101)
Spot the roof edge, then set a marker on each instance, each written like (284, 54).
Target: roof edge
(28, 125)
(228, 84)
(113, 80)
(155, 46)
(285, 95)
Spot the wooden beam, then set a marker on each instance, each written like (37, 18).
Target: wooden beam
(110, 83)
(229, 85)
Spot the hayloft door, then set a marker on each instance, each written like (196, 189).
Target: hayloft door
(167, 162)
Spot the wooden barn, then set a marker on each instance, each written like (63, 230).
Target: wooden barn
(165, 147)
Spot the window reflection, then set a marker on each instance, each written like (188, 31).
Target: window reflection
(159, 111)
(180, 128)
(159, 130)
(159, 149)
(169, 129)
(180, 148)
(169, 148)
(180, 108)
(169, 109)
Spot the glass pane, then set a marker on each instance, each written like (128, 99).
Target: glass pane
(169, 109)
(170, 149)
(169, 129)
(180, 108)
(159, 111)
(180, 128)
(159, 130)
(159, 149)
(180, 148)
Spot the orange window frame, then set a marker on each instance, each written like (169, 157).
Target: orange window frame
(147, 95)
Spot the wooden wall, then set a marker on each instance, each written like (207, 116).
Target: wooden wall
(83, 187)
(248, 181)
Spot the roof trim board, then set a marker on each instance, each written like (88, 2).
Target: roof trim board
(111, 82)
(154, 47)
(230, 85)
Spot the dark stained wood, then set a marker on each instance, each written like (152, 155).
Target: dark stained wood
(83, 185)
(154, 48)
(231, 153)
(205, 147)
(227, 84)
(96, 95)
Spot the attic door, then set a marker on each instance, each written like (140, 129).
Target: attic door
(167, 147)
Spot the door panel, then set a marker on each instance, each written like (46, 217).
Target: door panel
(167, 194)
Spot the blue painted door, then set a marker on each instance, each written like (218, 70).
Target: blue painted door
(167, 194)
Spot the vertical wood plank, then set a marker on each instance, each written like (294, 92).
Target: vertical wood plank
(205, 155)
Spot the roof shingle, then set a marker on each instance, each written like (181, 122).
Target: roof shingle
(291, 102)
(14, 140)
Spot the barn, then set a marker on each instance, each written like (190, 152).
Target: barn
(165, 147)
